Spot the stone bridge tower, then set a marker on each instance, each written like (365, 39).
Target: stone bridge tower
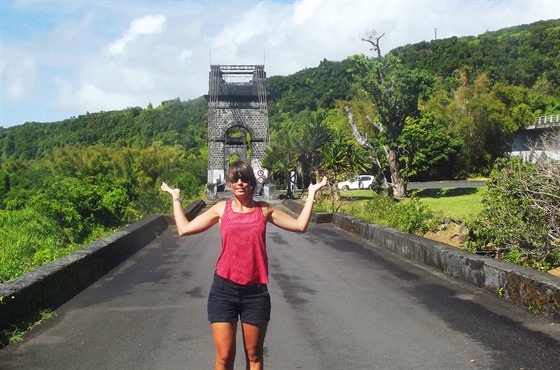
(237, 120)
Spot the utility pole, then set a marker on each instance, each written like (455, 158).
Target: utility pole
(435, 33)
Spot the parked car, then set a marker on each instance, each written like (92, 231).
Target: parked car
(359, 182)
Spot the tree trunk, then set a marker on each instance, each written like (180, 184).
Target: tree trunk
(398, 182)
(362, 141)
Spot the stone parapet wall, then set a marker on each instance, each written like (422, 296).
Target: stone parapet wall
(318, 218)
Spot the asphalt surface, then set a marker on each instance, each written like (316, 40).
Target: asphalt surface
(336, 305)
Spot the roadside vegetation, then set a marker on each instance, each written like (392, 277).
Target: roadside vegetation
(427, 212)
(14, 332)
(74, 196)
(455, 203)
(515, 218)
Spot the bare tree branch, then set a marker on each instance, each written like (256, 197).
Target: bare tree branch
(371, 38)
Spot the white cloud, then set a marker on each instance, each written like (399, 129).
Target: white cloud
(93, 95)
(304, 10)
(185, 55)
(143, 26)
(19, 76)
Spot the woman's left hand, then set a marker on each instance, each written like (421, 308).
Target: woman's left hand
(313, 188)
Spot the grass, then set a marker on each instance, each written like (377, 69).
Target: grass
(456, 203)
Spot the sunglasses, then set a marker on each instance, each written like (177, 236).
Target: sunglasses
(234, 179)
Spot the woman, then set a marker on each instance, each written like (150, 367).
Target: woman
(239, 289)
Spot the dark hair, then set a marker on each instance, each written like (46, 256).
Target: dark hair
(242, 170)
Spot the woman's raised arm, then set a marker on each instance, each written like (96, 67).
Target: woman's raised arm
(199, 223)
(287, 222)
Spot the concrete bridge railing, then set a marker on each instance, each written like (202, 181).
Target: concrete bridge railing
(553, 118)
(52, 284)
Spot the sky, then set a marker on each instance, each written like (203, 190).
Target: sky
(61, 59)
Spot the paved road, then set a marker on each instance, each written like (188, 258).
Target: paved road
(336, 305)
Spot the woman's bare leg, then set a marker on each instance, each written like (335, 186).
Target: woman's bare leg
(253, 339)
(224, 334)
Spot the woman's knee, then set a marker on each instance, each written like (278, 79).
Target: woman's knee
(254, 355)
(225, 353)
(225, 362)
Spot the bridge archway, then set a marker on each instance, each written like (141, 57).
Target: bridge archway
(237, 145)
(237, 120)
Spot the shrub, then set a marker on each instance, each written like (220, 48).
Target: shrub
(410, 216)
(520, 221)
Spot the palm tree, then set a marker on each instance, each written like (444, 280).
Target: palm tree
(279, 159)
(334, 158)
(342, 158)
(314, 135)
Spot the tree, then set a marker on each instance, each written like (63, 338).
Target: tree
(545, 189)
(310, 145)
(298, 147)
(395, 91)
(429, 151)
(279, 159)
(485, 116)
(362, 140)
(341, 158)
(313, 135)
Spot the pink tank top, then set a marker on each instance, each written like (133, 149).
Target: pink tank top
(243, 258)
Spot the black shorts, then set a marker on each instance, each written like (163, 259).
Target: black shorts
(229, 301)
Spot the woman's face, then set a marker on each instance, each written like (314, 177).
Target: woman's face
(240, 185)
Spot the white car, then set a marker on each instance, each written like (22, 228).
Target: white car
(360, 182)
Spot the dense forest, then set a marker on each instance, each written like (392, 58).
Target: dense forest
(63, 184)
(525, 56)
